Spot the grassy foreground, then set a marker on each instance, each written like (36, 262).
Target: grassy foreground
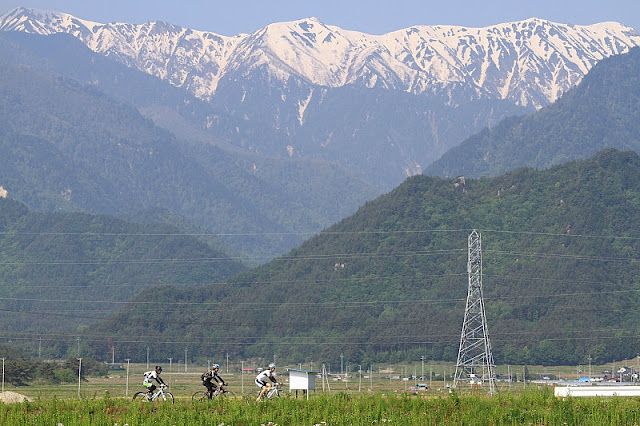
(537, 407)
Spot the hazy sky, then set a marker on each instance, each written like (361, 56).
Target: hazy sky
(233, 17)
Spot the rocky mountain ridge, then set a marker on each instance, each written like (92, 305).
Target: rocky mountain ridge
(530, 62)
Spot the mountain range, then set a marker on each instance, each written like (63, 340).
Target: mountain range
(601, 112)
(306, 89)
(268, 138)
(389, 282)
(61, 272)
(68, 146)
(496, 61)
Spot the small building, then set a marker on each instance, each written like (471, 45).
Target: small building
(603, 390)
(303, 380)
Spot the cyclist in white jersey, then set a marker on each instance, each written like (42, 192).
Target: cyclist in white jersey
(150, 376)
(266, 379)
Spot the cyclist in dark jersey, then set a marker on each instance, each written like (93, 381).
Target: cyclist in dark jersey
(209, 376)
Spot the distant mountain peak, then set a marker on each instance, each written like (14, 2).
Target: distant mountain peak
(530, 62)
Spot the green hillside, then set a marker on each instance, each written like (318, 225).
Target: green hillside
(67, 146)
(601, 112)
(560, 249)
(62, 272)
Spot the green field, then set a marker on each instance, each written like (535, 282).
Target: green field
(183, 384)
(535, 406)
(361, 400)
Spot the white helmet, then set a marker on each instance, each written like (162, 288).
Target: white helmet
(272, 365)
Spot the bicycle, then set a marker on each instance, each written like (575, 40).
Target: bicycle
(204, 395)
(273, 393)
(160, 396)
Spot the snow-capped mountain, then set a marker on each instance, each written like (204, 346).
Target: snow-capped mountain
(382, 106)
(351, 112)
(530, 63)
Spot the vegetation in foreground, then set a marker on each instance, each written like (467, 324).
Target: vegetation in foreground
(530, 407)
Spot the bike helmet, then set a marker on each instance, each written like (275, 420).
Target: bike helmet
(214, 366)
(158, 368)
(272, 365)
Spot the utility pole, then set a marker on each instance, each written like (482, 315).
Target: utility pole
(185, 360)
(341, 369)
(79, 371)
(422, 374)
(78, 339)
(113, 353)
(475, 360)
(430, 377)
(346, 379)
(126, 392)
(170, 375)
(242, 376)
(325, 377)
(2, 375)
(40, 348)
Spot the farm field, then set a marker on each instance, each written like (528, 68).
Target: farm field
(383, 380)
(375, 399)
(535, 406)
(183, 384)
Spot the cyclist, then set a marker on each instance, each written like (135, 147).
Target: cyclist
(261, 380)
(211, 375)
(150, 376)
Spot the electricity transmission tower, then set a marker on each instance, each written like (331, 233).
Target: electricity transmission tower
(475, 361)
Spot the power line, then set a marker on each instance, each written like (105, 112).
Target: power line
(337, 256)
(211, 259)
(305, 340)
(327, 231)
(566, 256)
(502, 278)
(235, 283)
(324, 304)
(226, 234)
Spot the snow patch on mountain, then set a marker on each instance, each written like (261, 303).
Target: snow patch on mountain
(302, 107)
(530, 62)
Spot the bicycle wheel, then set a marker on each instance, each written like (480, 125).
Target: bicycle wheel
(168, 396)
(252, 396)
(227, 394)
(141, 396)
(199, 396)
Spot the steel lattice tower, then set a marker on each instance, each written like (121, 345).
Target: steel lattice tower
(475, 360)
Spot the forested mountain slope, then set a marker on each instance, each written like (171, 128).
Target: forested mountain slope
(69, 146)
(602, 112)
(61, 272)
(389, 282)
